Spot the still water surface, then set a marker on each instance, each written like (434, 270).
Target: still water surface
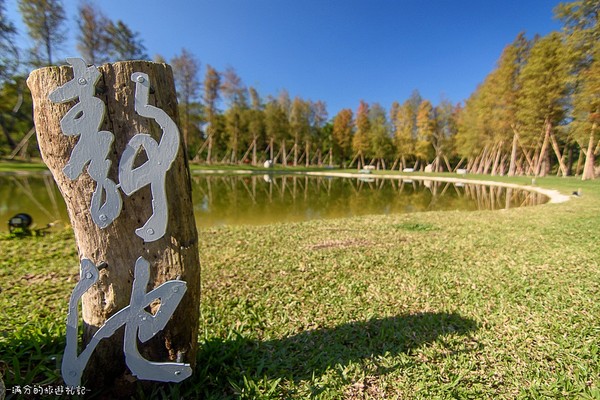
(265, 199)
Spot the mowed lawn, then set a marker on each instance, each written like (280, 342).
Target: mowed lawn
(484, 304)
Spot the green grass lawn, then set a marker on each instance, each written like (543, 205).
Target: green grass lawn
(486, 304)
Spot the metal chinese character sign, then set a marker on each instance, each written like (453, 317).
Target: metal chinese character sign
(91, 153)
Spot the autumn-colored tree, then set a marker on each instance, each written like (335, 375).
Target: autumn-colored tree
(44, 20)
(185, 72)
(405, 125)
(426, 126)
(586, 110)
(361, 142)
(471, 134)
(343, 125)
(542, 100)
(581, 29)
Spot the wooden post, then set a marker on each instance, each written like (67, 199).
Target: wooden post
(174, 256)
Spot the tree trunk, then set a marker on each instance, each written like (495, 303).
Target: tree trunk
(570, 160)
(295, 152)
(307, 152)
(588, 169)
(283, 154)
(209, 151)
(543, 150)
(497, 159)
(556, 149)
(173, 256)
(513, 156)
(9, 139)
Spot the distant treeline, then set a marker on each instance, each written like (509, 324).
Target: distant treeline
(536, 113)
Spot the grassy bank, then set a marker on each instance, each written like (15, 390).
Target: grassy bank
(21, 166)
(487, 304)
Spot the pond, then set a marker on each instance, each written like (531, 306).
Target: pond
(264, 199)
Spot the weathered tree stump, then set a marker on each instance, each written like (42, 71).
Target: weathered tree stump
(174, 256)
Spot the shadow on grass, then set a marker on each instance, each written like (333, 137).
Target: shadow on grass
(309, 354)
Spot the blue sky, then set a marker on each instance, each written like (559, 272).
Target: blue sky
(338, 51)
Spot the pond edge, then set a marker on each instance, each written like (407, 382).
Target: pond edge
(554, 195)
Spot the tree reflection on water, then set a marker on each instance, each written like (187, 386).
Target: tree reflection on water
(265, 199)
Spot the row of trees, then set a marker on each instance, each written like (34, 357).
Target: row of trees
(539, 110)
(536, 113)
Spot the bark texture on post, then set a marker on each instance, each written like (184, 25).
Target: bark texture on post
(174, 256)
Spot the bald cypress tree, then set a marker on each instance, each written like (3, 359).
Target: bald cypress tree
(361, 141)
(543, 96)
(586, 110)
(405, 121)
(125, 44)
(343, 125)
(235, 93)
(93, 41)
(44, 20)
(212, 84)
(581, 30)
(426, 127)
(185, 72)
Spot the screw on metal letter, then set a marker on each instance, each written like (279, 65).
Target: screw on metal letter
(139, 324)
(160, 157)
(84, 119)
